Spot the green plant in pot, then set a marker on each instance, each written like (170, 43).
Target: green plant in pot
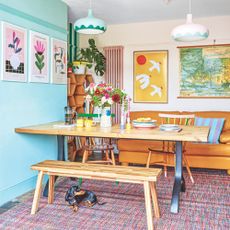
(93, 57)
(70, 67)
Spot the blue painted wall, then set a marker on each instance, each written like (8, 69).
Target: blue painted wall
(23, 104)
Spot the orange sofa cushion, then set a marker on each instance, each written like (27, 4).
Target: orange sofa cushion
(206, 149)
(225, 137)
(206, 114)
(138, 145)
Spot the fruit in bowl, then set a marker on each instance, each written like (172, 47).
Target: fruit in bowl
(144, 122)
(143, 119)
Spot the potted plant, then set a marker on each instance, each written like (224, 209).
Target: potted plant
(79, 66)
(70, 67)
(92, 57)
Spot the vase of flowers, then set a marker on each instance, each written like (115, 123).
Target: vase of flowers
(104, 96)
(106, 120)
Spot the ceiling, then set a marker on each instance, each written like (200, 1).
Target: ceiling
(130, 11)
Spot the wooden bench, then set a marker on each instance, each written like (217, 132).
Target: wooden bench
(145, 176)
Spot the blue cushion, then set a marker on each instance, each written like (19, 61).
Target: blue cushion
(215, 124)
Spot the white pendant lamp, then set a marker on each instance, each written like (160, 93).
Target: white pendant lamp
(90, 24)
(190, 32)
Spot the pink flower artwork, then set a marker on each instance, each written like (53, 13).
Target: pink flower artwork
(39, 62)
(39, 47)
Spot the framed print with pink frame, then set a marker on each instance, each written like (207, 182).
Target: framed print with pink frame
(14, 53)
(39, 58)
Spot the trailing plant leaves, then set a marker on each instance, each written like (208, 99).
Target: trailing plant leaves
(96, 100)
(93, 55)
(89, 65)
(92, 42)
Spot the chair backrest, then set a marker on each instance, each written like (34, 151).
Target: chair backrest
(176, 119)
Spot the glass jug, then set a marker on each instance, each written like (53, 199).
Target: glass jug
(69, 115)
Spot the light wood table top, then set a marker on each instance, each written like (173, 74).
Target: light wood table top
(188, 133)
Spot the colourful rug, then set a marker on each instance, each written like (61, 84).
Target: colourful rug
(205, 205)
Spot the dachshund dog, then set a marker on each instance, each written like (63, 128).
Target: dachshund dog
(75, 197)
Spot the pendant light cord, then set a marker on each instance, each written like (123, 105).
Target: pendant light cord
(190, 6)
(90, 4)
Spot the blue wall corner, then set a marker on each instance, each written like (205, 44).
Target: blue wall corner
(23, 104)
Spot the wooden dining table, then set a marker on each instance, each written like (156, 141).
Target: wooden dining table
(187, 134)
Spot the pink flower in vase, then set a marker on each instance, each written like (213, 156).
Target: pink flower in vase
(91, 88)
(109, 88)
(116, 98)
(107, 96)
(102, 85)
(91, 85)
(88, 98)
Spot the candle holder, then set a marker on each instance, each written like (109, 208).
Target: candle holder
(128, 125)
(123, 115)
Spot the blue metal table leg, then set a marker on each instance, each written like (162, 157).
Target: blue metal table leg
(179, 183)
(60, 157)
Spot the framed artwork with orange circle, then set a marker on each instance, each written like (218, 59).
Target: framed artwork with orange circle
(150, 76)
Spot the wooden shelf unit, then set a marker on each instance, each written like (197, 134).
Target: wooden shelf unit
(76, 90)
(76, 84)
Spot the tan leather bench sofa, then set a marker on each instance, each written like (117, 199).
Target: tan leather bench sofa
(199, 155)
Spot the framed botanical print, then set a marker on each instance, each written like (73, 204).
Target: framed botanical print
(205, 71)
(14, 53)
(59, 61)
(150, 76)
(39, 58)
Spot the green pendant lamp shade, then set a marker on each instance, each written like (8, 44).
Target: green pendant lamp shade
(90, 25)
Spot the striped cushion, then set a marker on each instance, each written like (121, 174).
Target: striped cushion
(215, 124)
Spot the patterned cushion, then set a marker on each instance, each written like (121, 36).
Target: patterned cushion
(215, 124)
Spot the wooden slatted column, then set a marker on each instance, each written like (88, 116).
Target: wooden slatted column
(114, 72)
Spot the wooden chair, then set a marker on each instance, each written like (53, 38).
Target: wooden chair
(106, 148)
(168, 147)
(90, 147)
